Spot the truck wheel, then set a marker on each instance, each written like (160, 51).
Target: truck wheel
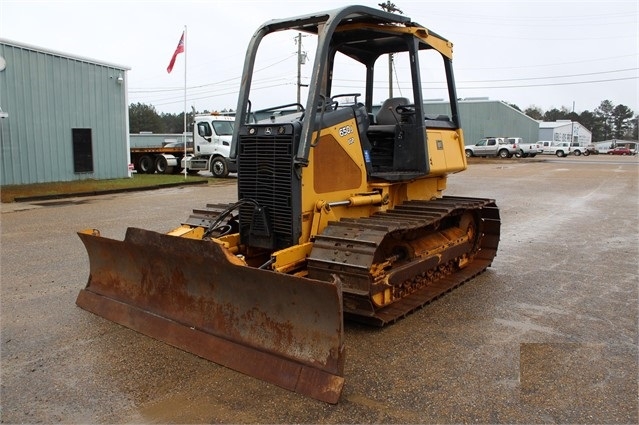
(586, 153)
(560, 154)
(519, 154)
(469, 153)
(146, 165)
(219, 167)
(162, 166)
(577, 153)
(504, 153)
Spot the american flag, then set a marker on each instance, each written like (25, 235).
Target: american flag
(179, 49)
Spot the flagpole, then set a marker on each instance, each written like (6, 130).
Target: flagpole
(184, 133)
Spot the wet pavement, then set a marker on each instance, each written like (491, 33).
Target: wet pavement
(547, 335)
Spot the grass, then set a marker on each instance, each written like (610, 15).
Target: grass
(14, 193)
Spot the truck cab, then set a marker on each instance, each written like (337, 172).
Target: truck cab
(212, 144)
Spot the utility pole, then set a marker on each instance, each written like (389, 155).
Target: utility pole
(572, 125)
(301, 60)
(390, 7)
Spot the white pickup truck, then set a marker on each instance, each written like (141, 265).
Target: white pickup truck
(561, 149)
(524, 150)
(578, 149)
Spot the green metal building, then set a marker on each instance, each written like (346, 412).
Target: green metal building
(63, 117)
(489, 118)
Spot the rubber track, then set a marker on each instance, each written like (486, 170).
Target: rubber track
(362, 236)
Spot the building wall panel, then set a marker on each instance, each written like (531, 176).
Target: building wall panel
(46, 96)
(481, 119)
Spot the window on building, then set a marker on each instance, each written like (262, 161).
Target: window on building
(82, 150)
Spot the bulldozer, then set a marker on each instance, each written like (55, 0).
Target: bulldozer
(340, 213)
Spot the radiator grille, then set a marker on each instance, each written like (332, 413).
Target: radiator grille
(266, 175)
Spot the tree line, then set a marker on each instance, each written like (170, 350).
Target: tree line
(607, 121)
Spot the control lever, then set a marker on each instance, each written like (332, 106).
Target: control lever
(392, 110)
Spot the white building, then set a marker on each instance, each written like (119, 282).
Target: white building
(561, 131)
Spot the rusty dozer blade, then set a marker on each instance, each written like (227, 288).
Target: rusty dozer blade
(188, 293)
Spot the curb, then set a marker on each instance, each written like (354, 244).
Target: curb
(104, 192)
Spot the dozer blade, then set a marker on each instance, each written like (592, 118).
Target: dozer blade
(282, 329)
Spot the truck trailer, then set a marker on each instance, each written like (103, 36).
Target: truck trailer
(207, 149)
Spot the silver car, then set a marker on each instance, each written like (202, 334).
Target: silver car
(491, 146)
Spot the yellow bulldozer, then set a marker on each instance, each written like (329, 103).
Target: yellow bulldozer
(340, 212)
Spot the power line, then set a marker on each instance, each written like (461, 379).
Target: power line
(459, 87)
(217, 93)
(179, 89)
(531, 78)
(223, 94)
(551, 64)
(550, 84)
(139, 90)
(169, 101)
(214, 90)
(554, 76)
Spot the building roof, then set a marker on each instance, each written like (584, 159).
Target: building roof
(554, 124)
(62, 54)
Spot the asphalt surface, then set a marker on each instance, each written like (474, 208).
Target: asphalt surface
(548, 334)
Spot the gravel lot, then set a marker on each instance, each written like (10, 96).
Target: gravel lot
(547, 335)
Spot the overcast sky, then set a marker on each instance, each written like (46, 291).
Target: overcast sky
(549, 54)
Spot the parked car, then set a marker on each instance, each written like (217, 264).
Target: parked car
(592, 149)
(578, 149)
(508, 146)
(524, 150)
(620, 151)
(492, 146)
(561, 149)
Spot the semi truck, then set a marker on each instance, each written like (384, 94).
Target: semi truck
(207, 149)
(148, 149)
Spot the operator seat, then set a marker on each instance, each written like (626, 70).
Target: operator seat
(387, 115)
(383, 134)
